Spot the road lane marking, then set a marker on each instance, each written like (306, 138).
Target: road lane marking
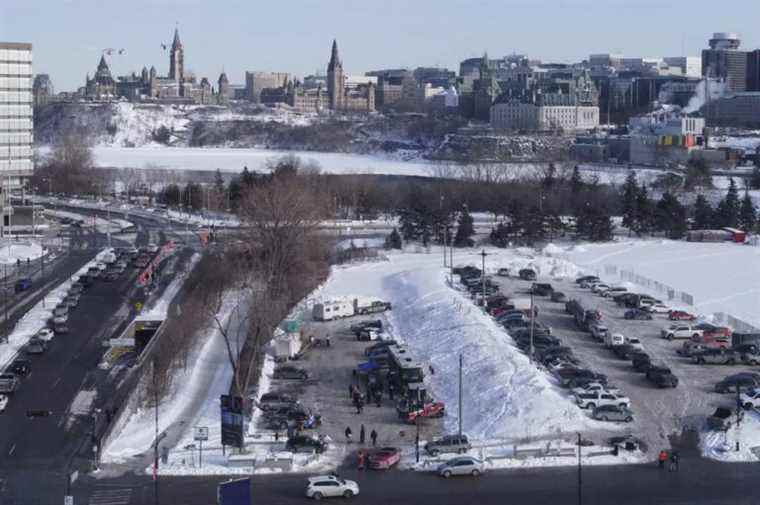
(55, 383)
(13, 449)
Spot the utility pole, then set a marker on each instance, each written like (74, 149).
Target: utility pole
(580, 475)
(443, 232)
(483, 255)
(461, 363)
(155, 445)
(532, 313)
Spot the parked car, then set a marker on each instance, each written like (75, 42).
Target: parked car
(720, 420)
(613, 339)
(613, 413)
(3, 402)
(384, 458)
(330, 486)
(586, 279)
(71, 301)
(593, 399)
(742, 380)
(635, 343)
(383, 344)
(716, 357)
(272, 401)
(527, 274)
(36, 346)
(462, 465)
(711, 330)
(152, 248)
(681, 331)
(658, 308)
(624, 351)
(662, 377)
(541, 289)
(503, 272)
(614, 291)
(599, 287)
(309, 443)
(750, 399)
(288, 372)
(748, 354)
(576, 377)
(598, 331)
(593, 387)
(448, 444)
(558, 296)
(681, 315)
(20, 367)
(641, 363)
(637, 314)
(45, 334)
(60, 328)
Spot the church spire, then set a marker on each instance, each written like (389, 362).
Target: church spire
(176, 44)
(334, 57)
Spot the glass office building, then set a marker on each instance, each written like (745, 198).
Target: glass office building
(16, 126)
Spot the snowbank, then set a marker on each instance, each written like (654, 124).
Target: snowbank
(12, 252)
(721, 446)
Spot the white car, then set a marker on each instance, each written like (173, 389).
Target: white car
(681, 331)
(463, 465)
(45, 334)
(596, 399)
(658, 308)
(328, 486)
(599, 288)
(152, 248)
(101, 266)
(614, 291)
(750, 399)
(593, 387)
(635, 343)
(61, 319)
(3, 402)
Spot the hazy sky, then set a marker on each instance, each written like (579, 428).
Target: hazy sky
(295, 35)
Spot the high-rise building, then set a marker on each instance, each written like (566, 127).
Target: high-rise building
(15, 113)
(725, 61)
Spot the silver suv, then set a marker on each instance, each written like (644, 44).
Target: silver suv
(449, 443)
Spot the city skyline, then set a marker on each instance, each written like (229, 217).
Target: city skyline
(70, 35)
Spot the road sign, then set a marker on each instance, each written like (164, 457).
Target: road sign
(201, 433)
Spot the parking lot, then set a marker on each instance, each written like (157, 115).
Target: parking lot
(326, 391)
(658, 413)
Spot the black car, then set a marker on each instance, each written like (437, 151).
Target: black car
(357, 328)
(743, 381)
(305, 442)
(571, 377)
(558, 296)
(288, 372)
(642, 364)
(638, 314)
(378, 346)
(21, 367)
(36, 346)
(541, 289)
(657, 369)
(624, 351)
(527, 274)
(586, 278)
(665, 380)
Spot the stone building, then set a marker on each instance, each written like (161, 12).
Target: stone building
(342, 98)
(256, 82)
(42, 89)
(102, 85)
(224, 90)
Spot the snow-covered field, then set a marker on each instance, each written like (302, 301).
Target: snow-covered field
(11, 252)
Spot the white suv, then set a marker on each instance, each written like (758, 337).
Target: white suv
(681, 331)
(595, 387)
(750, 399)
(328, 486)
(595, 399)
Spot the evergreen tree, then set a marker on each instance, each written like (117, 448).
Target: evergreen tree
(465, 230)
(644, 212)
(393, 240)
(247, 177)
(219, 182)
(727, 213)
(594, 223)
(630, 194)
(703, 214)
(236, 192)
(550, 178)
(576, 181)
(670, 217)
(747, 213)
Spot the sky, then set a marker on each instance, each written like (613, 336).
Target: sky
(295, 35)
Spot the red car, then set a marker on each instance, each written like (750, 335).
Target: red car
(681, 315)
(384, 458)
(433, 409)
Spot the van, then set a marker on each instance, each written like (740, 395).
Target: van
(613, 339)
(22, 285)
(8, 383)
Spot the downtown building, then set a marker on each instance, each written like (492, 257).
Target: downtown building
(16, 125)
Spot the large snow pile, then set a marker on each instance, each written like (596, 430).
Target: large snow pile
(721, 445)
(11, 252)
(505, 396)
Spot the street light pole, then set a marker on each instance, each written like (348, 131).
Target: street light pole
(580, 475)
(532, 313)
(483, 255)
(461, 363)
(155, 445)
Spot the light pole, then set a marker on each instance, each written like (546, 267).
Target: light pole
(532, 313)
(580, 475)
(461, 363)
(483, 255)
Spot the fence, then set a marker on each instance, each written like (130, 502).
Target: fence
(663, 289)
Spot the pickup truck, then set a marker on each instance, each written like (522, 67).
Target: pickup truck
(595, 399)
(681, 331)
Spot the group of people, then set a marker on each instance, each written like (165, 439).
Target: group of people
(671, 459)
(362, 434)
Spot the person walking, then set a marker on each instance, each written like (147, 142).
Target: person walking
(373, 436)
(348, 434)
(361, 435)
(350, 391)
(662, 458)
(674, 461)
(360, 460)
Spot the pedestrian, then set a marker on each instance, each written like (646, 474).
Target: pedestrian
(663, 457)
(327, 340)
(348, 434)
(276, 436)
(674, 461)
(432, 370)
(350, 391)
(377, 400)
(390, 391)
(360, 460)
(361, 435)
(373, 436)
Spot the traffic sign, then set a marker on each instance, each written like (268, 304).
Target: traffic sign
(201, 433)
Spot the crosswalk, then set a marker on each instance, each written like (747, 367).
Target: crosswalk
(121, 496)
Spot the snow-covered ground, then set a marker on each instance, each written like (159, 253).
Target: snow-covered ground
(113, 225)
(12, 251)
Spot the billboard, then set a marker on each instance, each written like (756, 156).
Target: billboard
(232, 420)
